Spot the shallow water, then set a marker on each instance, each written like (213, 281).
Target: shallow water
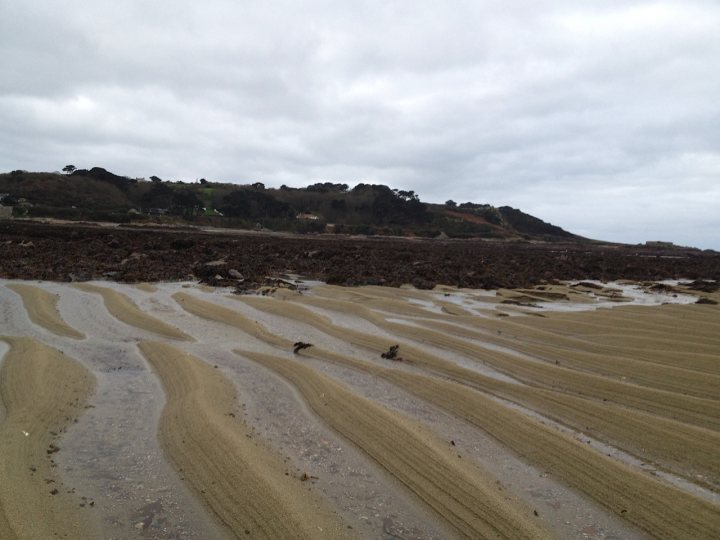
(638, 295)
(483, 302)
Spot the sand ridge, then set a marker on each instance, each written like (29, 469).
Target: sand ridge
(617, 365)
(146, 287)
(468, 500)
(684, 338)
(237, 476)
(568, 342)
(672, 405)
(216, 313)
(670, 442)
(124, 309)
(41, 307)
(606, 418)
(42, 391)
(699, 411)
(655, 507)
(657, 336)
(612, 484)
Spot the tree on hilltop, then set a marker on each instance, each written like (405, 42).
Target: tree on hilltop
(69, 169)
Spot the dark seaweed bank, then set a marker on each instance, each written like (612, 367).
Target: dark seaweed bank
(77, 252)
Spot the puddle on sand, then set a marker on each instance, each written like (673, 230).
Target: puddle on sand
(113, 460)
(633, 293)
(637, 295)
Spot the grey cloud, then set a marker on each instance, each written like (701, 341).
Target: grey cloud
(586, 114)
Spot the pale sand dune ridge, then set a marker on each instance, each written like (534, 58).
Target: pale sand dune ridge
(237, 476)
(672, 405)
(421, 465)
(124, 309)
(618, 408)
(653, 506)
(525, 334)
(42, 391)
(460, 493)
(593, 359)
(41, 307)
(672, 443)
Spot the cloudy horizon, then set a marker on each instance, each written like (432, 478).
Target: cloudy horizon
(600, 117)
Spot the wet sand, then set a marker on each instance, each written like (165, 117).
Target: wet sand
(569, 412)
(43, 391)
(666, 441)
(41, 307)
(240, 479)
(461, 494)
(123, 309)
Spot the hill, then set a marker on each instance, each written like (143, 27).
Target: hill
(99, 195)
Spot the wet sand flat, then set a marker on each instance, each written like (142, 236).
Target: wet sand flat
(609, 411)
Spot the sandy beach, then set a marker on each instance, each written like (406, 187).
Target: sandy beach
(173, 410)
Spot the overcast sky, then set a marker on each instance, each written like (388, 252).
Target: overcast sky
(602, 117)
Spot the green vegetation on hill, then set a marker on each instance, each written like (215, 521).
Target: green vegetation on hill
(97, 194)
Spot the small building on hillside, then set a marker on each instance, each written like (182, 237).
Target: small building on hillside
(306, 216)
